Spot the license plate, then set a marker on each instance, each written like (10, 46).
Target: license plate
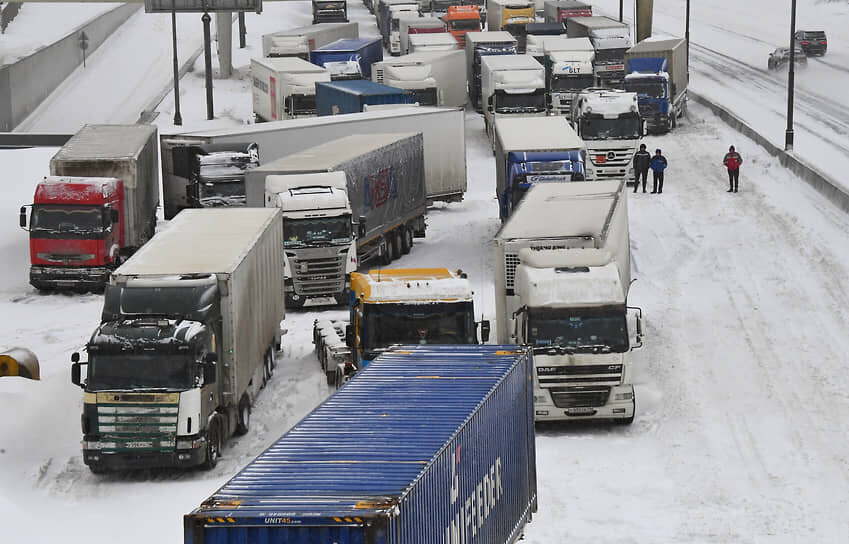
(139, 444)
(580, 411)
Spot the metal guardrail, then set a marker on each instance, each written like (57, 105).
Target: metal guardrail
(826, 186)
(13, 140)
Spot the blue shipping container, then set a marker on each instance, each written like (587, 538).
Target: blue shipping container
(427, 444)
(365, 51)
(350, 96)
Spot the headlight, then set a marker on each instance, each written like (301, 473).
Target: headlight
(624, 396)
(540, 398)
(184, 444)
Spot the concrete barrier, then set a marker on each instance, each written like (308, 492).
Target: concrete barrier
(27, 82)
(818, 180)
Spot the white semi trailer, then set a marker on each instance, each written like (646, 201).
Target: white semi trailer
(563, 271)
(188, 335)
(436, 78)
(284, 88)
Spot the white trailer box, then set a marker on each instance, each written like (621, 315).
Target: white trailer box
(411, 25)
(436, 78)
(284, 88)
(442, 41)
(443, 130)
(563, 271)
(298, 42)
(511, 85)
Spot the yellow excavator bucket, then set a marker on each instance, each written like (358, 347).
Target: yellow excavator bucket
(19, 362)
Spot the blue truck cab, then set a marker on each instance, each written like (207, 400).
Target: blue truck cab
(657, 71)
(527, 169)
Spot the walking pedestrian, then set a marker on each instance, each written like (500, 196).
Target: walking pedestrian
(658, 165)
(732, 161)
(642, 160)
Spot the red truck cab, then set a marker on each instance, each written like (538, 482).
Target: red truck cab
(462, 19)
(76, 232)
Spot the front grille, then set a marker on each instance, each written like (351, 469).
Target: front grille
(319, 276)
(649, 108)
(511, 261)
(580, 397)
(621, 157)
(137, 427)
(579, 374)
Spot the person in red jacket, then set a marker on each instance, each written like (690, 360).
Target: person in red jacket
(732, 161)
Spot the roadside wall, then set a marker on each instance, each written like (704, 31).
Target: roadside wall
(27, 82)
(819, 181)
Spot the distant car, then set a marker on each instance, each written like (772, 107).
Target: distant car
(812, 42)
(781, 56)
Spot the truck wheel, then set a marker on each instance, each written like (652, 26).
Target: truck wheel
(331, 377)
(407, 241)
(396, 243)
(385, 253)
(269, 363)
(243, 424)
(213, 446)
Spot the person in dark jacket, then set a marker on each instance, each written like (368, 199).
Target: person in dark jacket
(642, 160)
(732, 161)
(658, 165)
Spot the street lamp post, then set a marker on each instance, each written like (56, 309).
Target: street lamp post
(788, 137)
(687, 38)
(178, 119)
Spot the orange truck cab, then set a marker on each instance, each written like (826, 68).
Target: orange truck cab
(462, 19)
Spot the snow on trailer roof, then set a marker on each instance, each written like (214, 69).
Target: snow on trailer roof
(536, 134)
(560, 43)
(490, 36)
(107, 142)
(350, 457)
(651, 45)
(549, 289)
(347, 44)
(553, 210)
(289, 64)
(412, 284)
(511, 62)
(329, 154)
(200, 241)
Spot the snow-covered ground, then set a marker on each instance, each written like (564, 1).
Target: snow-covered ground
(741, 387)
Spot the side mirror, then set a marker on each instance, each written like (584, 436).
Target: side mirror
(210, 358)
(349, 335)
(75, 357)
(23, 218)
(635, 316)
(209, 369)
(490, 109)
(113, 215)
(76, 373)
(361, 227)
(485, 331)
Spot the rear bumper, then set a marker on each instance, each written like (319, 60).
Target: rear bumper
(56, 277)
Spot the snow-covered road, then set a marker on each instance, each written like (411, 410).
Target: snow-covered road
(741, 388)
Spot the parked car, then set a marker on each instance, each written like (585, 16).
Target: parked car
(812, 42)
(781, 56)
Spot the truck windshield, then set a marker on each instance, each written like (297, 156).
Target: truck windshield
(69, 221)
(653, 88)
(222, 192)
(140, 371)
(610, 56)
(584, 330)
(466, 24)
(303, 104)
(520, 103)
(441, 323)
(574, 82)
(425, 97)
(625, 127)
(317, 231)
